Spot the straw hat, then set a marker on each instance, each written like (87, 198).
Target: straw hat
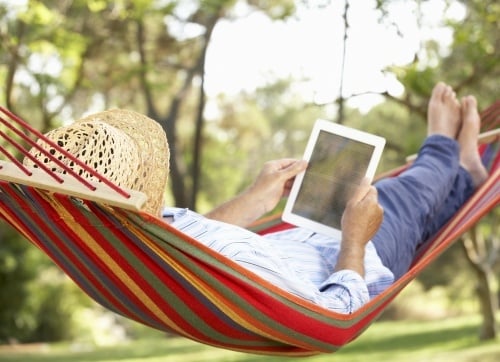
(128, 148)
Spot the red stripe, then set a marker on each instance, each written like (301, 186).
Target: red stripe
(71, 255)
(197, 306)
(115, 256)
(169, 282)
(60, 244)
(266, 303)
(290, 317)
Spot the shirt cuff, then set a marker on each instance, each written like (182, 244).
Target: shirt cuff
(354, 286)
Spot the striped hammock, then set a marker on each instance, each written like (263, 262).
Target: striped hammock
(138, 266)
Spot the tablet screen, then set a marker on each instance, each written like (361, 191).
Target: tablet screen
(338, 158)
(336, 167)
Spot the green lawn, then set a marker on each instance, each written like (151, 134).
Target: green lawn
(446, 340)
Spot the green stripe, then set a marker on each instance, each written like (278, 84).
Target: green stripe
(164, 236)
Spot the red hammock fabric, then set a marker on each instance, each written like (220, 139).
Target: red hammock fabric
(138, 266)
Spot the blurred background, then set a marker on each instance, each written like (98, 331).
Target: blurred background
(235, 83)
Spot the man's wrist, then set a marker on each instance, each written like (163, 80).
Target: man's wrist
(352, 248)
(351, 257)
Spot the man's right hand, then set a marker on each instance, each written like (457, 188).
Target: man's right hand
(363, 215)
(360, 221)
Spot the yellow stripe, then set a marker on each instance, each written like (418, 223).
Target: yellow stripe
(128, 282)
(237, 314)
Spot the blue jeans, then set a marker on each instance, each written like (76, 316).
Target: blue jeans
(420, 201)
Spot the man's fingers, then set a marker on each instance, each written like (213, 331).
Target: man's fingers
(294, 168)
(362, 190)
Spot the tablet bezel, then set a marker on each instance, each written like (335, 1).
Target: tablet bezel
(320, 125)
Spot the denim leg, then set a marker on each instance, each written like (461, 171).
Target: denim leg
(419, 201)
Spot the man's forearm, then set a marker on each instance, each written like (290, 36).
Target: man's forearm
(351, 257)
(243, 210)
(272, 183)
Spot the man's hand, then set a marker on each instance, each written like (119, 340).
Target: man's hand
(360, 221)
(272, 183)
(275, 181)
(362, 216)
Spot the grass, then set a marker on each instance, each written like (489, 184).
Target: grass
(434, 341)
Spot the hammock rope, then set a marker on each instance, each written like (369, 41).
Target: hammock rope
(138, 266)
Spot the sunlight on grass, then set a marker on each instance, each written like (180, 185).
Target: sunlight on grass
(434, 341)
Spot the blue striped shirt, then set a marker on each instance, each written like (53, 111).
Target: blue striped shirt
(297, 260)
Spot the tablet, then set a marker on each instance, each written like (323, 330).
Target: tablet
(338, 158)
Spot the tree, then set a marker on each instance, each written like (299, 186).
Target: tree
(206, 15)
(482, 250)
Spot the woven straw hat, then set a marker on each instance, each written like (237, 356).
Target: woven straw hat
(128, 148)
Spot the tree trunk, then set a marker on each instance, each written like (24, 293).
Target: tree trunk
(177, 173)
(488, 304)
(198, 138)
(482, 256)
(341, 99)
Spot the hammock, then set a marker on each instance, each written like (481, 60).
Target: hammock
(138, 266)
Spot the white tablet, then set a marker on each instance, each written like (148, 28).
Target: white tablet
(339, 158)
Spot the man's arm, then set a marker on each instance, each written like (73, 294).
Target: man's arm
(360, 221)
(272, 183)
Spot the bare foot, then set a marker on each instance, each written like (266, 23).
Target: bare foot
(467, 138)
(443, 113)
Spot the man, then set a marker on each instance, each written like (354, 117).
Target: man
(341, 275)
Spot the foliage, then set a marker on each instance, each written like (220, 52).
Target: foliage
(402, 129)
(36, 299)
(273, 122)
(471, 65)
(16, 270)
(476, 50)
